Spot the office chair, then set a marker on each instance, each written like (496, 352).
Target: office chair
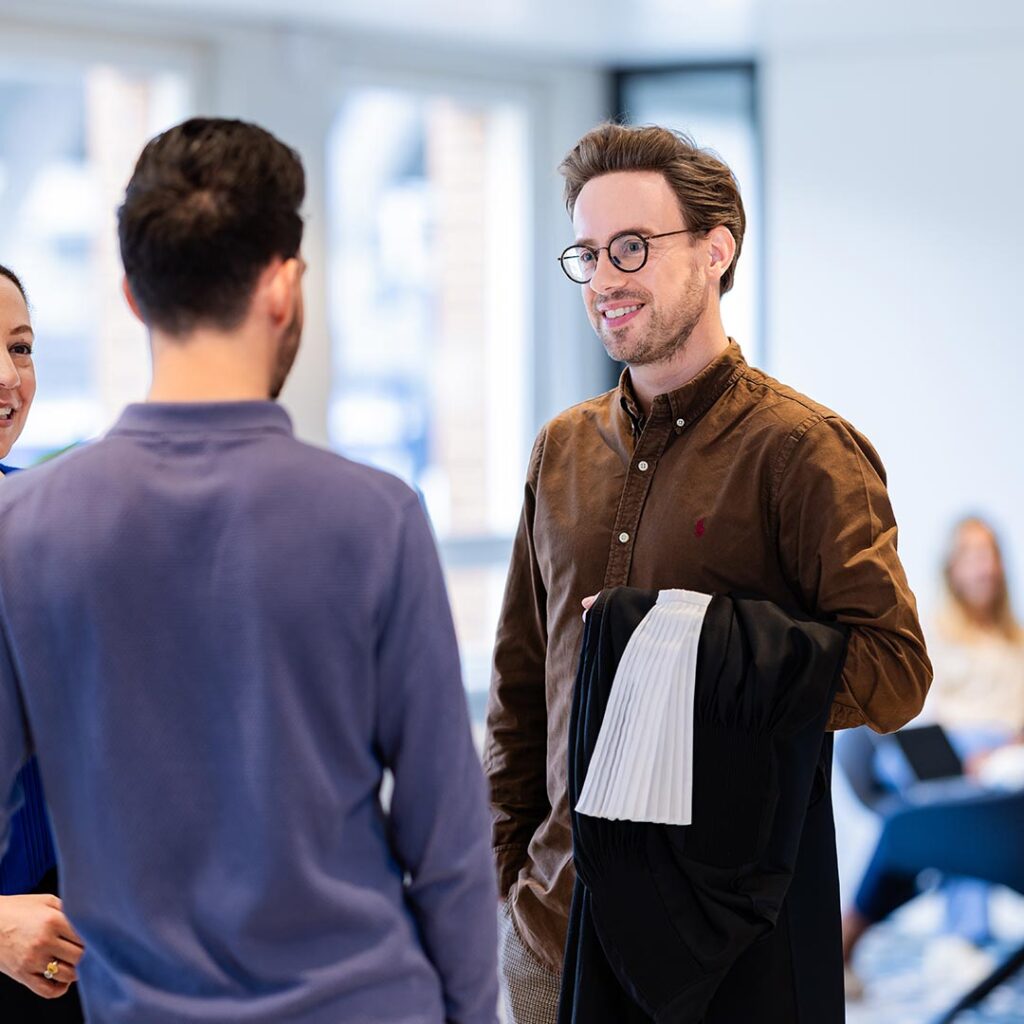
(982, 837)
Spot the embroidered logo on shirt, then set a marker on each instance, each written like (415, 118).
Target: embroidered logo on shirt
(698, 528)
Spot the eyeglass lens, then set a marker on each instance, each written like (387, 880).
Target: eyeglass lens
(627, 252)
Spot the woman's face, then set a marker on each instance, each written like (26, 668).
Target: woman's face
(17, 372)
(975, 571)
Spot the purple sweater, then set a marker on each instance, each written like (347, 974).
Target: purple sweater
(217, 638)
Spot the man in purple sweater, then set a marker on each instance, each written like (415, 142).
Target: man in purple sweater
(217, 639)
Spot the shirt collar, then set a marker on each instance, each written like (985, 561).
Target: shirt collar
(695, 397)
(182, 418)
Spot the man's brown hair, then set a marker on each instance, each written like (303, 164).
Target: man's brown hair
(707, 190)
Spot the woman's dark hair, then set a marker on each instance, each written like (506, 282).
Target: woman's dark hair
(211, 202)
(14, 279)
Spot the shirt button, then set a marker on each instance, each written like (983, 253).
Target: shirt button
(680, 422)
(642, 466)
(623, 537)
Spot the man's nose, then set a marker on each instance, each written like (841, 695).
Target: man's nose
(607, 276)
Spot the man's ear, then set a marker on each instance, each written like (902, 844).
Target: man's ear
(126, 290)
(281, 281)
(721, 250)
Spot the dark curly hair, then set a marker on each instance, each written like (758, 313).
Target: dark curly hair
(211, 202)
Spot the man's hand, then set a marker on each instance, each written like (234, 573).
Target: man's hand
(34, 932)
(587, 602)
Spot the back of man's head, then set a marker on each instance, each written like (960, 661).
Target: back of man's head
(210, 204)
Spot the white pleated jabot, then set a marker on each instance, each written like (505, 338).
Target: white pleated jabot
(642, 765)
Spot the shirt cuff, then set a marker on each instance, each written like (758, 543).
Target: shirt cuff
(843, 717)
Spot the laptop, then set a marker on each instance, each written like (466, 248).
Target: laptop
(929, 753)
(937, 769)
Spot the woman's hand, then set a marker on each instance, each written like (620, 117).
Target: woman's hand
(34, 932)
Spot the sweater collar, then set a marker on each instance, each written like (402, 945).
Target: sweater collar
(202, 418)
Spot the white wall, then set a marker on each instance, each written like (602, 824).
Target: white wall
(895, 218)
(895, 222)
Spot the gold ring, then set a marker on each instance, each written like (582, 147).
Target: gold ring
(52, 970)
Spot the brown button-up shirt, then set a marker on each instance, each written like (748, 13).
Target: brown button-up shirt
(733, 483)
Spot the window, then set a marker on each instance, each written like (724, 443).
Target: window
(69, 136)
(428, 309)
(716, 107)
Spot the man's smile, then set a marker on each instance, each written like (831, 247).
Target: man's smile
(619, 313)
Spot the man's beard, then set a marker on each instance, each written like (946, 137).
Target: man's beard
(661, 341)
(286, 352)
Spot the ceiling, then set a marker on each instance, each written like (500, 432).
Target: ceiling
(613, 33)
(605, 31)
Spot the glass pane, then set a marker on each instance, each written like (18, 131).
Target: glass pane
(476, 593)
(69, 137)
(428, 299)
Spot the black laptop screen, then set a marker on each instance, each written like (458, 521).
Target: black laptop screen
(929, 753)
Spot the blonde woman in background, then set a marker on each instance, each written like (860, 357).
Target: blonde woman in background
(977, 696)
(977, 647)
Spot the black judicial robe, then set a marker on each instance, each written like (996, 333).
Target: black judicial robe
(733, 919)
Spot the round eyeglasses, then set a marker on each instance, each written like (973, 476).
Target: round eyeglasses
(628, 251)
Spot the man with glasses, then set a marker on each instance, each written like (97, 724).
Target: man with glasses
(699, 472)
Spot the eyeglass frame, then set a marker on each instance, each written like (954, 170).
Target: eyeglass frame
(607, 248)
